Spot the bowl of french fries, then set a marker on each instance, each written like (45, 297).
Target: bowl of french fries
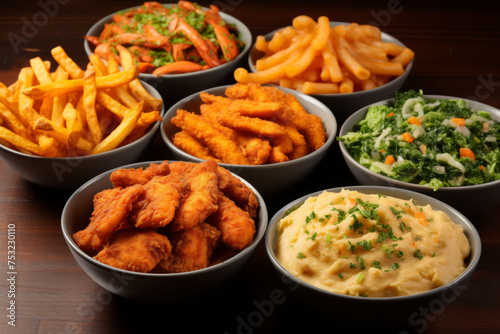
(271, 136)
(344, 65)
(120, 228)
(176, 57)
(62, 125)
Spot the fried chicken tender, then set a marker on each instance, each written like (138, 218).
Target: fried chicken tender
(134, 249)
(202, 197)
(244, 107)
(238, 191)
(257, 126)
(125, 177)
(111, 207)
(191, 248)
(236, 226)
(220, 145)
(190, 145)
(157, 205)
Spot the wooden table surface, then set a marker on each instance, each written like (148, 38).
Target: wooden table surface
(457, 53)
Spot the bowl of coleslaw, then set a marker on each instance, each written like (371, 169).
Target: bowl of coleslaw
(445, 147)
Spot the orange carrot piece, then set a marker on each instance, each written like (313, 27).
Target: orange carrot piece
(467, 153)
(389, 160)
(458, 121)
(421, 218)
(481, 167)
(407, 137)
(414, 121)
(390, 114)
(182, 66)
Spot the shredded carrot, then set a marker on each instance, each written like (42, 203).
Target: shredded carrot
(407, 137)
(389, 160)
(481, 167)
(413, 120)
(390, 114)
(458, 121)
(382, 151)
(467, 153)
(421, 218)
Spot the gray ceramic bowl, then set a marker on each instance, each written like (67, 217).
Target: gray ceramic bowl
(399, 309)
(269, 178)
(343, 105)
(148, 286)
(470, 199)
(70, 173)
(173, 87)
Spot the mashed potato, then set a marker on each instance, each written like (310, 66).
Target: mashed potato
(370, 245)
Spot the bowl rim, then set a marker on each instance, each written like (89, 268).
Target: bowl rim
(263, 213)
(151, 132)
(464, 221)
(242, 29)
(344, 129)
(322, 150)
(385, 37)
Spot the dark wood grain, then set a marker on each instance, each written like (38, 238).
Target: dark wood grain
(457, 53)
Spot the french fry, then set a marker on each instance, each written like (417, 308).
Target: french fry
(19, 141)
(59, 101)
(115, 138)
(74, 125)
(75, 72)
(89, 103)
(13, 122)
(24, 81)
(120, 91)
(59, 133)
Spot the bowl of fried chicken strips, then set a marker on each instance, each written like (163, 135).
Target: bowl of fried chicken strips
(168, 230)
(179, 48)
(271, 136)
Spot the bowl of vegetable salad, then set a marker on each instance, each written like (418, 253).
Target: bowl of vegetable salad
(446, 147)
(179, 48)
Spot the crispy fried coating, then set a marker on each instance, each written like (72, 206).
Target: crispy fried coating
(190, 145)
(310, 125)
(202, 197)
(245, 107)
(111, 208)
(238, 191)
(257, 126)
(220, 145)
(157, 205)
(125, 177)
(191, 248)
(236, 226)
(135, 249)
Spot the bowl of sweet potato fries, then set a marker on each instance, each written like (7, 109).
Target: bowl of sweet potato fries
(344, 65)
(179, 48)
(61, 126)
(164, 230)
(271, 136)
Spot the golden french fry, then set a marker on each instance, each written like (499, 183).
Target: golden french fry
(115, 138)
(322, 33)
(60, 101)
(50, 147)
(120, 91)
(59, 133)
(19, 141)
(135, 85)
(75, 72)
(57, 88)
(13, 122)
(89, 102)
(99, 66)
(24, 81)
(74, 125)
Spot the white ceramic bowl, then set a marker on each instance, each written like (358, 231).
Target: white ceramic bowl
(343, 105)
(164, 288)
(173, 87)
(399, 309)
(268, 178)
(469, 199)
(70, 173)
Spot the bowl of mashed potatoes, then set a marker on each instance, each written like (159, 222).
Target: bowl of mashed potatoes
(368, 246)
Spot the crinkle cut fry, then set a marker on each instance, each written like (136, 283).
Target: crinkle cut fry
(217, 142)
